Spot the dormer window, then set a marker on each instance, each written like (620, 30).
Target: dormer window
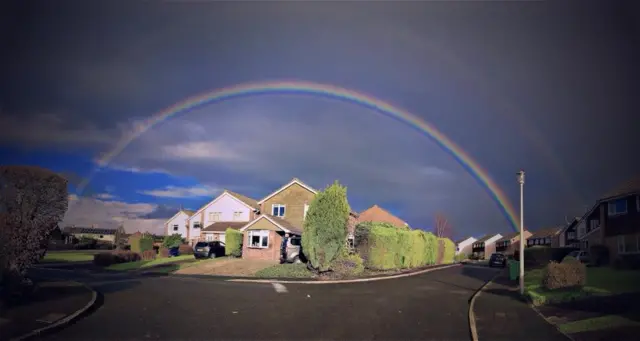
(278, 210)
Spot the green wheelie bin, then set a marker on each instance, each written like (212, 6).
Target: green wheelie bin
(514, 269)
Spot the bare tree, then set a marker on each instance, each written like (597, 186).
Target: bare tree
(442, 227)
(32, 203)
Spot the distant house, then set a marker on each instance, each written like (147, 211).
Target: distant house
(569, 237)
(464, 246)
(485, 246)
(378, 214)
(178, 224)
(550, 237)
(614, 221)
(98, 234)
(510, 242)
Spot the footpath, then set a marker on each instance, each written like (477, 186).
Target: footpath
(52, 304)
(501, 314)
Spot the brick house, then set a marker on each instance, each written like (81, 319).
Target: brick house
(280, 212)
(614, 221)
(548, 236)
(485, 246)
(511, 242)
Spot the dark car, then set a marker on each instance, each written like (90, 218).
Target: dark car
(208, 249)
(498, 259)
(174, 251)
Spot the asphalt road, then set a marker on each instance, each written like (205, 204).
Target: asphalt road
(431, 306)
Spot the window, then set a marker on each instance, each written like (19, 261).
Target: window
(628, 244)
(209, 237)
(306, 209)
(237, 215)
(547, 240)
(175, 227)
(278, 210)
(295, 241)
(214, 216)
(618, 207)
(594, 224)
(571, 235)
(585, 245)
(258, 238)
(197, 225)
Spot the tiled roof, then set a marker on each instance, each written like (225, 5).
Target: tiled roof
(508, 237)
(546, 232)
(376, 213)
(245, 199)
(461, 240)
(88, 230)
(630, 186)
(485, 238)
(286, 224)
(188, 212)
(221, 226)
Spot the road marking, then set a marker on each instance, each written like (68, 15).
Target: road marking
(280, 288)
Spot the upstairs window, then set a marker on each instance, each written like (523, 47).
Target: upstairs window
(237, 215)
(617, 207)
(214, 216)
(278, 210)
(175, 227)
(197, 225)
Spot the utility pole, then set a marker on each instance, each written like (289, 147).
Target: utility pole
(521, 258)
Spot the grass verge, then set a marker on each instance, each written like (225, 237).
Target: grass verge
(600, 281)
(597, 323)
(149, 263)
(69, 256)
(285, 271)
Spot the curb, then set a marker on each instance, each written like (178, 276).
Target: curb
(549, 322)
(472, 317)
(342, 281)
(65, 320)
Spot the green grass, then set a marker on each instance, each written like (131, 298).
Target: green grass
(596, 323)
(600, 281)
(285, 271)
(148, 263)
(69, 256)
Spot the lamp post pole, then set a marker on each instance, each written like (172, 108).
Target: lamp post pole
(521, 258)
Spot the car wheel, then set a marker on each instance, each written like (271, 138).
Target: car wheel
(212, 255)
(296, 260)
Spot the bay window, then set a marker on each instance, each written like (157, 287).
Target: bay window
(258, 238)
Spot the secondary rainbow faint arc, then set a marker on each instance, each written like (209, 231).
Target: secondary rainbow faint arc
(330, 91)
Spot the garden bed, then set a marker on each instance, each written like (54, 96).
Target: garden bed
(69, 256)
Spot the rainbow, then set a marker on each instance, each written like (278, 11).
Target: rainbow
(332, 92)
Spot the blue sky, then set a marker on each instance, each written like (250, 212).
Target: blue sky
(517, 85)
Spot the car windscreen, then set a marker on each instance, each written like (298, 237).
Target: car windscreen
(202, 244)
(296, 241)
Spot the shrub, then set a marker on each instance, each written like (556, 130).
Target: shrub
(298, 270)
(535, 257)
(172, 241)
(134, 243)
(185, 249)
(569, 274)
(233, 242)
(347, 265)
(141, 244)
(149, 255)
(383, 249)
(325, 227)
(461, 257)
(33, 201)
(599, 255)
(115, 257)
(391, 248)
(163, 252)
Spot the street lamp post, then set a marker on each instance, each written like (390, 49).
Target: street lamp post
(521, 258)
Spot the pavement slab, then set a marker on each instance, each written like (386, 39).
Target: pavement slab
(420, 307)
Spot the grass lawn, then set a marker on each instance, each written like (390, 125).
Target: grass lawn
(600, 281)
(285, 271)
(69, 256)
(597, 323)
(148, 263)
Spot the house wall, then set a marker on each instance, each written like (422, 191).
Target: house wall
(272, 252)
(294, 197)
(465, 247)
(490, 245)
(226, 204)
(180, 220)
(627, 223)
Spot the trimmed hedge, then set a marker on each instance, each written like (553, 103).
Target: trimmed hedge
(536, 257)
(115, 257)
(392, 249)
(233, 242)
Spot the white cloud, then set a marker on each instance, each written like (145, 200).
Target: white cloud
(87, 211)
(104, 196)
(202, 150)
(182, 192)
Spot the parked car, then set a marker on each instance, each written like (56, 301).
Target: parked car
(208, 249)
(294, 250)
(497, 259)
(581, 256)
(174, 251)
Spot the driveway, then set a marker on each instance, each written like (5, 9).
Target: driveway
(227, 267)
(431, 306)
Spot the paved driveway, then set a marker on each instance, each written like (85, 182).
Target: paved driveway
(431, 306)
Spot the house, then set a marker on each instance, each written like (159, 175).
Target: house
(98, 234)
(378, 214)
(485, 245)
(549, 236)
(614, 221)
(510, 242)
(569, 237)
(280, 212)
(229, 209)
(463, 246)
(178, 223)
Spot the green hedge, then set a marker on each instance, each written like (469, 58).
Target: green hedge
(233, 242)
(391, 249)
(449, 251)
(141, 244)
